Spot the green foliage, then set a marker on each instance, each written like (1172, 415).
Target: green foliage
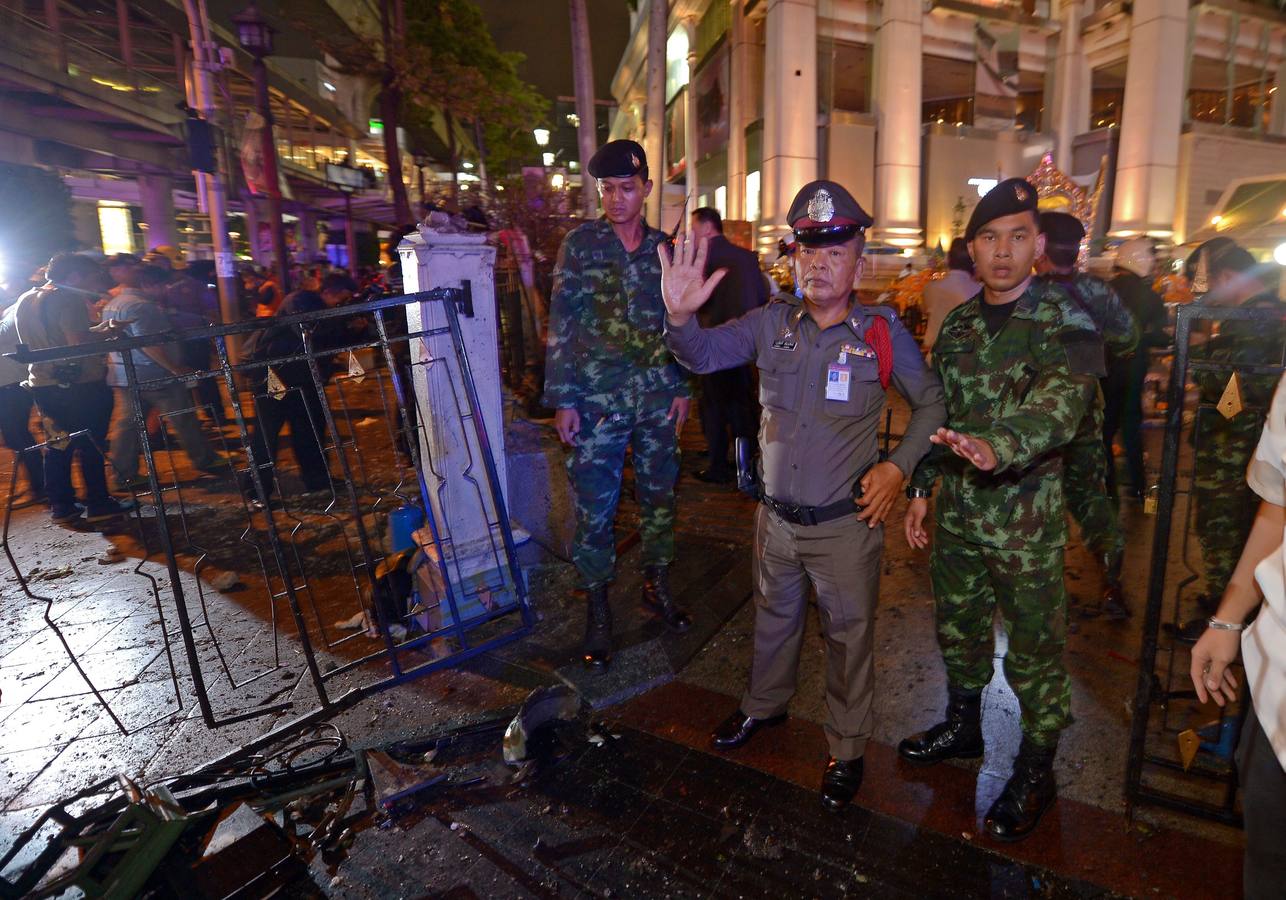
(38, 223)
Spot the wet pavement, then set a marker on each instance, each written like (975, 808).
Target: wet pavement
(650, 814)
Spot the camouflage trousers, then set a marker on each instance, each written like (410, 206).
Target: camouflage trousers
(608, 425)
(1226, 508)
(970, 582)
(1095, 509)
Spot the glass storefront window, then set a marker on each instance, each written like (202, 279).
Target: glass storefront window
(948, 91)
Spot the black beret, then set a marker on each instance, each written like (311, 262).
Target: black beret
(1062, 229)
(824, 213)
(1011, 196)
(618, 159)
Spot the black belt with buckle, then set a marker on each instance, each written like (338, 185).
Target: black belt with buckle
(810, 515)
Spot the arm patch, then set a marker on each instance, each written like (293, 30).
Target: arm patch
(1084, 351)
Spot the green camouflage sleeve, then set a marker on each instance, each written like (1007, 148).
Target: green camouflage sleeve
(1052, 401)
(562, 388)
(929, 467)
(1120, 329)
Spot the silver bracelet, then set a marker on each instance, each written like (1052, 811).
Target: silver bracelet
(1220, 625)
(915, 493)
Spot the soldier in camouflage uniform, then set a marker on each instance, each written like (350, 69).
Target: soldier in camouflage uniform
(1085, 459)
(1019, 379)
(1225, 505)
(614, 385)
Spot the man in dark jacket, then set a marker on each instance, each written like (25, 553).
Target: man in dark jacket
(286, 393)
(727, 397)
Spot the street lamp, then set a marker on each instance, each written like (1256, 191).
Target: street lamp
(541, 135)
(255, 36)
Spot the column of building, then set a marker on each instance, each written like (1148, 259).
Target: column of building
(897, 101)
(790, 110)
(692, 186)
(156, 198)
(1151, 120)
(738, 89)
(1070, 110)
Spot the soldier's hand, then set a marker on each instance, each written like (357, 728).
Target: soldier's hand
(1213, 654)
(916, 511)
(678, 413)
(684, 285)
(567, 423)
(880, 488)
(974, 449)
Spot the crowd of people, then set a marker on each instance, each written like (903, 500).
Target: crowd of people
(1036, 370)
(83, 406)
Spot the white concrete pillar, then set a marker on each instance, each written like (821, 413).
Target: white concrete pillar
(1155, 87)
(654, 126)
(692, 185)
(306, 236)
(1069, 114)
(459, 495)
(156, 197)
(897, 101)
(790, 110)
(738, 90)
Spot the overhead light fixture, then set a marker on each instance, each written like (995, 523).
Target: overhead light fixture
(548, 158)
(467, 164)
(1216, 220)
(541, 135)
(573, 120)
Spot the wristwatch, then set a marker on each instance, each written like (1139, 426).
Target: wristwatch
(1221, 625)
(915, 493)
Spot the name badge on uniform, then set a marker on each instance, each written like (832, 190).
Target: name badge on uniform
(785, 341)
(838, 379)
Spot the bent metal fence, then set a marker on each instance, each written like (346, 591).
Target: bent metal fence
(333, 604)
(1181, 752)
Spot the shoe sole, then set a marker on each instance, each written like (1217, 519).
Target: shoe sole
(926, 763)
(766, 723)
(1015, 838)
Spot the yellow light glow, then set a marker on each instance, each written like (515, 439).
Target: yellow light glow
(1216, 220)
(115, 228)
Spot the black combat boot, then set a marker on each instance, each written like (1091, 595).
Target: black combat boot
(657, 599)
(1114, 605)
(959, 737)
(1027, 794)
(596, 652)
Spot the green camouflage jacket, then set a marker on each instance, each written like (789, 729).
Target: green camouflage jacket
(1244, 343)
(607, 319)
(1025, 391)
(1106, 314)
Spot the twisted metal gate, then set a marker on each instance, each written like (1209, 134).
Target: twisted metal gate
(1165, 704)
(309, 556)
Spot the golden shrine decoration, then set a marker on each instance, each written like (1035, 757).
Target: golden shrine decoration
(1057, 192)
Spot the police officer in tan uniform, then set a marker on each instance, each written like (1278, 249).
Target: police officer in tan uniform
(824, 364)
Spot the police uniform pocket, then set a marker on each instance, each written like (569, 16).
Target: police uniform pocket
(778, 377)
(864, 390)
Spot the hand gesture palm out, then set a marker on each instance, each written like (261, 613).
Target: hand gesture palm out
(684, 285)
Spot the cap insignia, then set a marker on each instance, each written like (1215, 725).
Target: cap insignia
(635, 160)
(821, 208)
(1021, 193)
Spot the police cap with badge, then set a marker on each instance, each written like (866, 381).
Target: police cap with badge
(824, 213)
(1010, 197)
(618, 159)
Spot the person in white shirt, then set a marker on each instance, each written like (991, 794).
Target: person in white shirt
(1258, 582)
(944, 294)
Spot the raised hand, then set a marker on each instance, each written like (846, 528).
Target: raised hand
(684, 285)
(974, 449)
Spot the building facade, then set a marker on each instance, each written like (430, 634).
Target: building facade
(918, 106)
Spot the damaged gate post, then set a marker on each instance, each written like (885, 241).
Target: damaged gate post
(460, 498)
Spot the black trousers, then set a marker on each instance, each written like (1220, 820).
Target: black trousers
(302, 410)
(15, 427)
(1263, 803)
(79, 407)
(1123, 412)
(727, 411)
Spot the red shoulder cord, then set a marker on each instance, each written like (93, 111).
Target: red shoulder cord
(881, 341)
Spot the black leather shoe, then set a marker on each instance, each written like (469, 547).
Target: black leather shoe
(739, 728)
(840, 782)
(657, 600)
(959, 737)
(714, 476)
(1028, 793)
(596, 652)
